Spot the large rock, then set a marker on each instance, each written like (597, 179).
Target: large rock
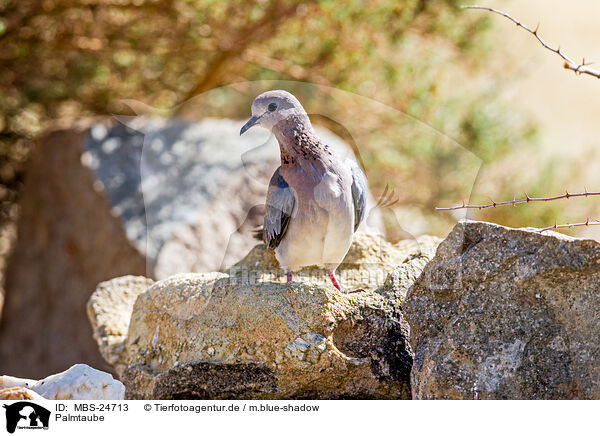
(153, 198)
(109, 311)
(504, 313)
(216, 335)
(266, 340)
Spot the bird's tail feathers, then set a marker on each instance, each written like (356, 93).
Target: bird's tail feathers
(258, 233)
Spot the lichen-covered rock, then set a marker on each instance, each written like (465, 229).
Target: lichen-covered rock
(401, 278)
(215, 335)
(247, 335)
(366, 266)
(79, 382)
(504, 313)
(109, 311)
(211, 336)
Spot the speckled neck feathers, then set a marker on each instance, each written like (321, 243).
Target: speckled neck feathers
(297, 139)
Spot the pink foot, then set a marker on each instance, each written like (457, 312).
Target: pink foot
(337, 285)
(334, 280)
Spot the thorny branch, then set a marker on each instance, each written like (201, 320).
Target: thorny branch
(529, 199)
(564, 226)
(570, 64)
(578, 68)
(514, 202)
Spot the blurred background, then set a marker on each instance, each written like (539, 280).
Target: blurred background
(420, 79)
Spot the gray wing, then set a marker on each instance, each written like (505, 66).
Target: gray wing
(280, 204)
(359, 194)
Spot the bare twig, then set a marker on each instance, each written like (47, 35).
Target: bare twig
(296, 72)
(254, 32)
(570, 64)
(564, 226)
(514, 202)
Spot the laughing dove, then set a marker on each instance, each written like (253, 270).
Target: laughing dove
(316, 200)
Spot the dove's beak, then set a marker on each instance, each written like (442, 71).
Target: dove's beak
(251, 122)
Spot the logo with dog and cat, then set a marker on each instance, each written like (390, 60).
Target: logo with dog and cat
(26, 415)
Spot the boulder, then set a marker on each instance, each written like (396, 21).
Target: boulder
(153, 197)
(503, 313)
(109, 311)
(218, 335)
(80, 382)
(207, 336)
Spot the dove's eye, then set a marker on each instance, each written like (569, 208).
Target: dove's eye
(272, 107)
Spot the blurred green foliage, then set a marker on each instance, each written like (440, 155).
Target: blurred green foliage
(65, 60)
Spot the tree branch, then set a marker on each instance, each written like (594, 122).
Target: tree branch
(514, 202)
(570, 64)
(296, 72)
(254, 32)
(563, 226)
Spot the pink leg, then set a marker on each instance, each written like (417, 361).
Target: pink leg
(337, 285)
(289, 276)
(334, 280)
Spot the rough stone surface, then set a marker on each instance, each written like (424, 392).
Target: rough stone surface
(206, 336)
(80, 382)
(215, 335)
(504, 313)
(109, 310)
(366, 266)
(153, 198)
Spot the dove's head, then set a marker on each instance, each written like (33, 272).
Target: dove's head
(271, 108)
